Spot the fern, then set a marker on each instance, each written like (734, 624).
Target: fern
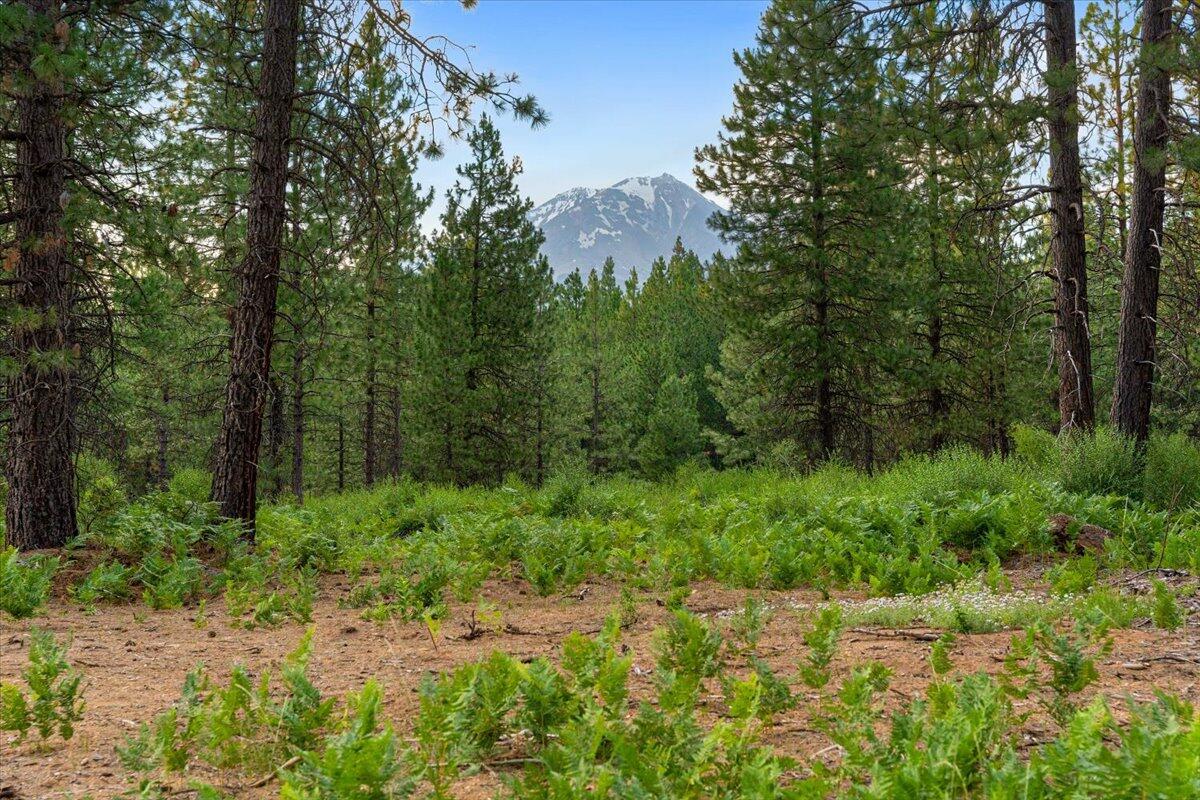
(822, 642)
(24, 583)
(1166, 611)
(55, 703)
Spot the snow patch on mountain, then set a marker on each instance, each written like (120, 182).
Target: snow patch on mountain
(634, 221)
(587, 240)
(642, 188)
(558, 204)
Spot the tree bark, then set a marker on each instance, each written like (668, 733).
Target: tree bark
(41, 476)
(1068, 254)
(341, 445)
(396, 451)
(164, 439)
(236, 474)
(370, 456)
(1143, 257)
(826, 436)
(298, 422)
(275, 440)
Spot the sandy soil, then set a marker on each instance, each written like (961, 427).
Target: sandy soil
(135, 660)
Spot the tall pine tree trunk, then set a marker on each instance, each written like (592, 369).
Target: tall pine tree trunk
(275, 439)
(341, 445)
(163, 435)
(41, 477)
(236, 475)
(298, 422)
(824, 393)
(369, 450)
(396, 450)
(594, 439)
(937, 404)
(1068, 255)
(1139, 290)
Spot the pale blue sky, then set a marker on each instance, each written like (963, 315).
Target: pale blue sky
(632, 86)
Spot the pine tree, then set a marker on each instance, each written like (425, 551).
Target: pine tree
(1137, 340)
(82, 86)
(390, 207)
(1108, 53)
(1068, 252)
(235, 479)
(953, 98)
(672, 429)
(594, 367)
(672, 331)
(480, 341)
(812, 188)
(441, 90)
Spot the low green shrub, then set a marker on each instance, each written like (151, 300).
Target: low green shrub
(25, 582)
(107, 582)
(822, 641)
(191, 485)
(1109, 609)
(1102, 462)
(54, 703)
(363, 761)
(243, 724)
(1037, 447)
(1166, 611)
(572, 728)
(99, 490)
(1074, 575)
(1172, 479)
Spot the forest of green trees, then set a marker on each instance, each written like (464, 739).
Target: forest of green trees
(949, 217)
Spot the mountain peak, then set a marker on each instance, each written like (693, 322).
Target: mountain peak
(634, 221)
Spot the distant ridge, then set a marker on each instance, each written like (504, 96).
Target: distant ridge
(634, 221)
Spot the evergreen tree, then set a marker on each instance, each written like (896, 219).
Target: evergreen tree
(812, 187)
(485, 289)
(672, 332)
(235, 478)
(390, 206)
(672, 429)
(1108, 53)
(1068, 252)
(593, 372)
(957, 137)
(82, 87)
(1138, 332)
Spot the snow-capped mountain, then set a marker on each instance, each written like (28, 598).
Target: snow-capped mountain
(634, 221)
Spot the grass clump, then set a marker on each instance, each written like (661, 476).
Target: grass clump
(1101, 462)
(1172, 479)
(1166, 611)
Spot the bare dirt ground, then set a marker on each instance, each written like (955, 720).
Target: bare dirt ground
(135, 661)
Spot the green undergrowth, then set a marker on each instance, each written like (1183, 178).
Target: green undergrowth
(51, 700)
(926, 524)
(410, 548)
(583, 726)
